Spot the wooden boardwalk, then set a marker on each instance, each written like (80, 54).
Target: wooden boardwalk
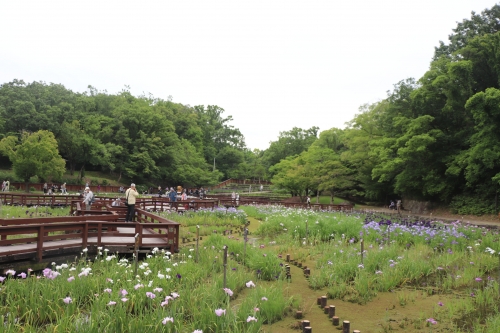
(34, 242)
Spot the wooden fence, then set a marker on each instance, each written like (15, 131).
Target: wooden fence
(31, 238)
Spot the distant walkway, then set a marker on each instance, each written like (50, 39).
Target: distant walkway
(487, 220)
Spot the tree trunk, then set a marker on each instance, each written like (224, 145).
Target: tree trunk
(27, 186)
(317, 196)
(331, 197)
(72, 168)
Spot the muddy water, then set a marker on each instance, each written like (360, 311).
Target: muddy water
(400, 311)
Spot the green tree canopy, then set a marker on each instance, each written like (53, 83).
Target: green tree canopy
(34, 154)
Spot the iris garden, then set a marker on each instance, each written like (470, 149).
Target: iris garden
(353, 258)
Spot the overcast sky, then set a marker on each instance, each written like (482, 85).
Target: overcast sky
(272, 65)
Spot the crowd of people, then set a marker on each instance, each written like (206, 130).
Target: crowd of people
(184, 194)
(52, 189)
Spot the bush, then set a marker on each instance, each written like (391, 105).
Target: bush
(94, 182)
(35, 180)
(471, 205)
(104, 182)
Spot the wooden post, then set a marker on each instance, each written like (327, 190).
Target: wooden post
(323, 301)
(39, 245)
(197, 241)
(346, 326)
(287, 258)
(305, 323)
(362, 250)
(308, 329)
(306, 232)
(335, 321)
(245, 239)
(225, 264)
(331, 311)
(298, 314)
(136, 252)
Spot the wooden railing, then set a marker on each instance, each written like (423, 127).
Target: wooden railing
(240, 181)
(69, 187)
(163, 204)
(160, 226)
(251, 201)
(9, 198)
(32, 237)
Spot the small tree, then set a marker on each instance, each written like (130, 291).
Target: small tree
(33, 154)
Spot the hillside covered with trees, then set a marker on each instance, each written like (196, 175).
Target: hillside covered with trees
(432, 139)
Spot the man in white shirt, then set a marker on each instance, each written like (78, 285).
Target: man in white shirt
(88, 198)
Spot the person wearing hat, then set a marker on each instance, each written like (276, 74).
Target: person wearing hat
(88, 195)
(130, 196)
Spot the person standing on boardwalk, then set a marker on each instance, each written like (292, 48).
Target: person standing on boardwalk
(130, 196)
(63, 189)
(172, 195)
(88, 198)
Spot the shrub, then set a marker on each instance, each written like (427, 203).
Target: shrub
(471, 205)
(105, 182)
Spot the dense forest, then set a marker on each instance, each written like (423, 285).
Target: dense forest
(433, 139)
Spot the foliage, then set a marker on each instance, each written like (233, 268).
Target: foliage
(290, 143)
(432, 139)
(469, 204)
(34, 154)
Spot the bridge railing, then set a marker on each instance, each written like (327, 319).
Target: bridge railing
(159, 226)
(40, 234)
(25, 199)
(37, 239)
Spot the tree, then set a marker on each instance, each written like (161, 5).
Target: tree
(33, 155)
(228, 160)
(78, 147)
(217, 132)
(325, 169)
(291, 174)
(290, 143)
(482, 160)
(486, 23)
(190, 168)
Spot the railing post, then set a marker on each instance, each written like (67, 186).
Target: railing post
(99, 233)
(39, 243)
(85, 234)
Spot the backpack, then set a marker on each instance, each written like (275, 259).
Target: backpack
(92, 199)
